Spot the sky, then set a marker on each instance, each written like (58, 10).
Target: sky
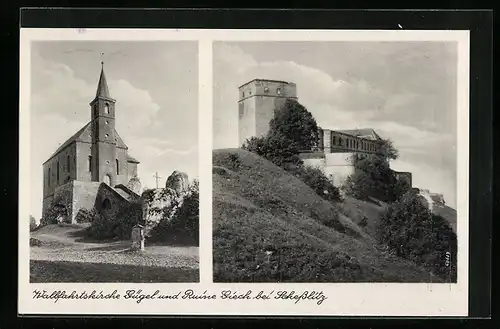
(155, 85)
(406, 91)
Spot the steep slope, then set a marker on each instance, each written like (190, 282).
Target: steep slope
(270, 226)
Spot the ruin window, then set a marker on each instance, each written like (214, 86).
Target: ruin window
(90, 164)
(117, 167)
(106, 108)
(49, 178)
(57, 171)
(68, 164)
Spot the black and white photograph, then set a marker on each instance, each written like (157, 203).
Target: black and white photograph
(335, 161)
(113, 149)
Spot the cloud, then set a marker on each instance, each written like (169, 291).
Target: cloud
(408, 117)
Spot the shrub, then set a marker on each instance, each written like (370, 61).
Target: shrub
(85, 215)
(33, 224)
(120, 226)
(276, 148)
(317, 180)
(411, 231)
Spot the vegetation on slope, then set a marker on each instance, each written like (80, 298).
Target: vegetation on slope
(270, 226)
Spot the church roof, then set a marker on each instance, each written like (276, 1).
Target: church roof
(84, 135)
(131, 159)
(364, 132)
(102, 86)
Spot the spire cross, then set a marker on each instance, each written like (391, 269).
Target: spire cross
(157, 178)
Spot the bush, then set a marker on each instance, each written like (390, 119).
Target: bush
(276, 148)
(120, 226)
(372, 177)
(317, 180)
(33, 224)
(411, 231)
(85, 215)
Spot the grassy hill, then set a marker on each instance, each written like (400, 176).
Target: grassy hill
(269, 226)
(63, 253)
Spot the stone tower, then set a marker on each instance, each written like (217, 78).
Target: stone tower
(257, 101)
(102, 160)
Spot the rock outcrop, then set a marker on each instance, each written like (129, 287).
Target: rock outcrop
(179, 182)
(161, 204)
(134, 184)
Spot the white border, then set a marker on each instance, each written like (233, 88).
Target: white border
(367, 299)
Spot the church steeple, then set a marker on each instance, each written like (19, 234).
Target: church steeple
(102, 86)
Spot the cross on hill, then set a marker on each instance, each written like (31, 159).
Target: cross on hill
(157, 178)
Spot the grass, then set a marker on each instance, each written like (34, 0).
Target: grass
(268, 226)
(66, 271)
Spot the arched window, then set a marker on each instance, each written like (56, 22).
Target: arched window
(89, 164)
(334, 140)
(68, 164)
(58, 172)
(117, 167)
(48, 183)
(106, 108)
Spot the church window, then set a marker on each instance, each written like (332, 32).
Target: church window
(243, 94)
(250, 93)
(68, 164)
(58, 172)
(49, 178)
(90, 163)
(106, 108)
(266, 90)
(117, 167)
(107, 122)
(278, 91)
(106, 135)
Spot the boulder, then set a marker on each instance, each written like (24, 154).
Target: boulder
(179, 182)
(157, 205)
(134, 184)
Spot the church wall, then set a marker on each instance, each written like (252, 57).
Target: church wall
(67, 171)
(122, 176)
(83, 151)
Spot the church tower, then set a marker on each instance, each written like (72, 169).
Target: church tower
(103, 150)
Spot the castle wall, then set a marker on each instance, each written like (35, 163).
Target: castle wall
(246, 122)
(258, 101)
(336, 166)
(64, 162)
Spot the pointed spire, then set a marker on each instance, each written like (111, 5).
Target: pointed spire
(102, 87)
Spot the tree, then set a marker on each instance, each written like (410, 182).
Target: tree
(276, 148)
(387, 150)
(412, 232)
(296, 124)
(372, 177)
(33, 223)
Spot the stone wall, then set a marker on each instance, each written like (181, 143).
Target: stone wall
(109, 202)
(84, 196)
(336, 166)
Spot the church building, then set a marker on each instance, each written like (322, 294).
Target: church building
(92, 169)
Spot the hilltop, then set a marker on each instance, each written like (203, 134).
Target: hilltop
(269, 226)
